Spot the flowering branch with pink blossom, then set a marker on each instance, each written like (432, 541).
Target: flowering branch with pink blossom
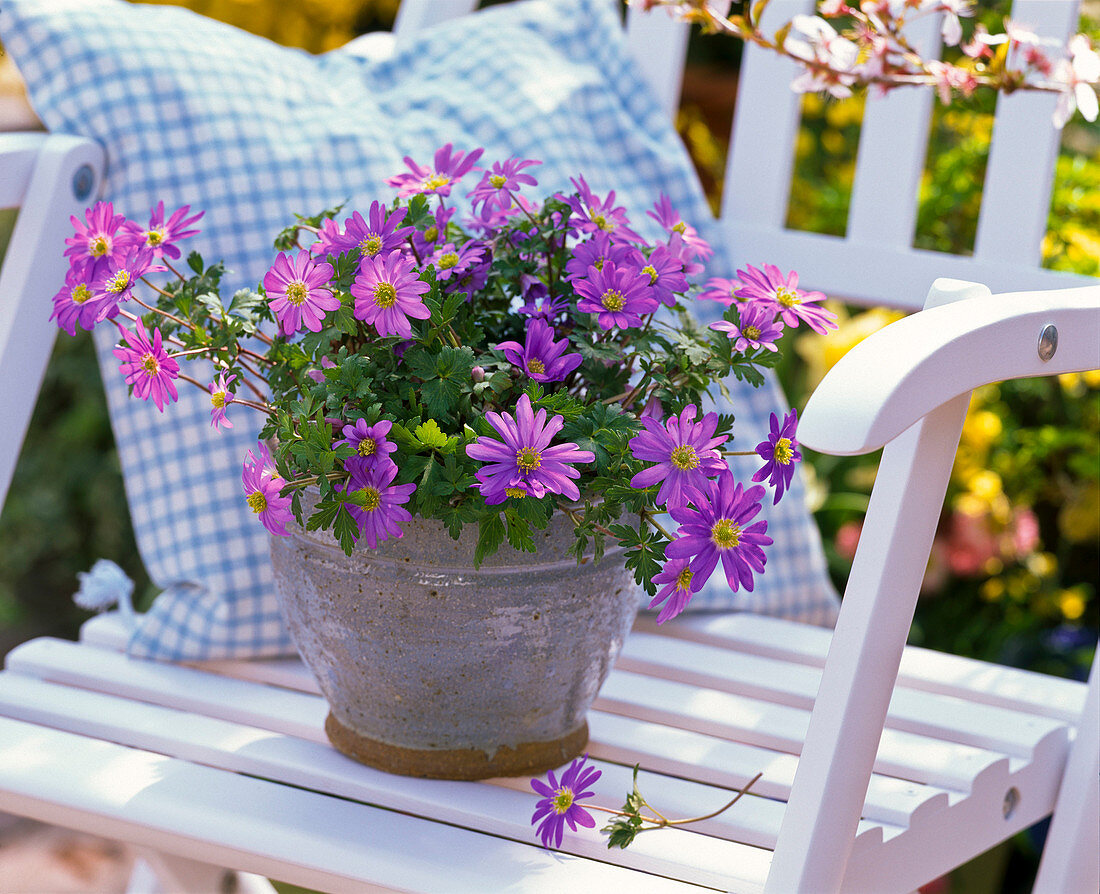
(864, 44)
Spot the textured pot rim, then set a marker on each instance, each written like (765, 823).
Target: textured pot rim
(327, 541)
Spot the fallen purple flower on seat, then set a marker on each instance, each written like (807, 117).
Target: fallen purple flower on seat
(558, 804)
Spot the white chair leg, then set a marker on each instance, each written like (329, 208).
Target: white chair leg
(1071, 857)
(157, 873)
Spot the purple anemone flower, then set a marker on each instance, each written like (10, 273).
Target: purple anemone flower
(720, 289)
(558, 804)
(780, 453)
(596, 251)
(793, 303)
(449, 167)
(425, 241)
(669, 218)
(220, 398)
(262, 488)
(296, 292)
(619, 295)
(540, 357)
(379, 233)
(147, 366)
(382, 507)
(759, 327)
(452, 262)
(539, 302)
(716, 526)
(119, 273)
(161, 235)
(371, 445)
(666, 275)
(684, 451)
(680, 584)
(489, 218)
(102, 235)
(387, 292)
(592, 214)
(525, 463)
(76, 304)
(501, 180)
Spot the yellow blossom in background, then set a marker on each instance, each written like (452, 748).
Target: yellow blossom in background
(821, 353)
(1072, 602)
(314, 25)
(992, 590)
(1076, 384)
(1079, 518)
(1042, 564)
(981, 429)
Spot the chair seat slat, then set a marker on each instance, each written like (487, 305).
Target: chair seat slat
(291, 834)
(795, 685)
(926, 669)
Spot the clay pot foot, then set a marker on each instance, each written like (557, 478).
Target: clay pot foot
(526, 759)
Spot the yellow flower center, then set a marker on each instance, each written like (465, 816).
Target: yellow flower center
(154, 237)
(497, 180)
(517, 493)
(787, 297)
(99, 246)
(603, 223)
(119, 281)
(684, 457)
(528, 459)
(366, 447)
(751, 332)
(372, 499)
(431, 234)
(371, 245)
(257, 502)
(680, 227)
(683, 580)
(150, 364)
(536, 366)
(218, 399)
(385, 295)
(725, 534)
(648, 268)
(448, 260)
(563, 800)
(436, 181)
(613, 300)
(783, 454)
(81, 293)
(296, 293)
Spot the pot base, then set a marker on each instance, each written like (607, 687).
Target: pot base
(526, 759)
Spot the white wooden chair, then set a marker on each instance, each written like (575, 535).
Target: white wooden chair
(911, 761)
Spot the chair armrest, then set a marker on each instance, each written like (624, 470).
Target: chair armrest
(49, 177)
(901, 373)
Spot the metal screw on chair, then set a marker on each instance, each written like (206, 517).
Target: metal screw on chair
(1048, 342)
(1012, 798)
(83, 181)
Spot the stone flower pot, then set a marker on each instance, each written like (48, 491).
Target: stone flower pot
(432, 668)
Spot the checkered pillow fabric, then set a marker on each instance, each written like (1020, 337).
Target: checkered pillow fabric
(195, 112)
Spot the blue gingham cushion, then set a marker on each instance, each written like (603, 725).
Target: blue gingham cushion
(195, 112)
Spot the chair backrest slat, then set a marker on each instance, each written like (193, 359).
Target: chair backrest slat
(416, 16)
(658, 44)
(1013, 217)
(765, 130)
(892, 148)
